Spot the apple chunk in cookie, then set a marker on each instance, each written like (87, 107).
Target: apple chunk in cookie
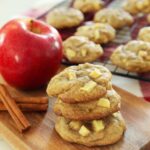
(78, 49)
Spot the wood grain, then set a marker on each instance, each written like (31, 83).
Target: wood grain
(42, 135)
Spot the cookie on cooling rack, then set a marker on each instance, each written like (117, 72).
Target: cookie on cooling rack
(78, 49)
(64, 18)
(88, 5)
(144, 34)
(81, 83)
(97, 32)
(96, 109)
(92, 133)
(134, 56)
(137, 6)
(117, 18)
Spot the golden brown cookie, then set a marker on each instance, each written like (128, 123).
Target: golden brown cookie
(97, 109)
(98, 32)
(134, 56)
(92, 133)
(117, 18)
(144, 34)
(88, 5)
(81, 83)
(137, 6)
(78, 49)
(64, 18)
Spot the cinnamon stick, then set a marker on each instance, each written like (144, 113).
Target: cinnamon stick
(16, 114)
(32, 100)
(27, 107)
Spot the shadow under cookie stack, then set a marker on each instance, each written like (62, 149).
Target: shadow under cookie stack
(87, 106)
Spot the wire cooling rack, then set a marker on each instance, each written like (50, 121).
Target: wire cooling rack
(123, 36)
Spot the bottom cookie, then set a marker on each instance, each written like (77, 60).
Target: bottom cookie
(92, 133)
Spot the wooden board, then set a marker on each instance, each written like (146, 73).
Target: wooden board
(42, 135)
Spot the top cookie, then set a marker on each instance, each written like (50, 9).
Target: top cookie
(117, 18)
(65, 18)
(134, 56)
(97, 32)
(144, 34)
(88, 5)
(79, 49)
(81, 83)
(137, 6)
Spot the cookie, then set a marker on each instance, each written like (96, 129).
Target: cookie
(117, 18)
(64, 18)
(78, 49)
(137, 6)
(81, 83)
(134, 56)
(97, 32)
(144, 34)
(97, 109)
(87, 6)
(93, 133)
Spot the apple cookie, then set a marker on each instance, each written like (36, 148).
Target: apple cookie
(92, 133)
(81, 83)
(117, 18)
(97, 32)
(65, 18)
(78, 49)
(144, 34)
(88, 5)
(97, 109)
(134, 56)
(137, 6)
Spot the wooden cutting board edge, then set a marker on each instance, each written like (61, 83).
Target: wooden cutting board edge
(18, 144)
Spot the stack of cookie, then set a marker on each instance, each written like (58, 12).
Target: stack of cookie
(87, 105)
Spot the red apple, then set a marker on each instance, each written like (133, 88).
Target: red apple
(30, 52)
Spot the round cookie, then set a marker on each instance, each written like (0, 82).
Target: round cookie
(88, 5)
(64, 18)
(137, 6)
(134, 56)
(96, 133)
(117, 18)
(78, 49)
(144, 34)
(97, 32)
(81, 83)
(97, 109)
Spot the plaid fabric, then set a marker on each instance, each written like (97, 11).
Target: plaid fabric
(123, 36)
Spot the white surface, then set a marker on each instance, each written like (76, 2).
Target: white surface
(11, 8)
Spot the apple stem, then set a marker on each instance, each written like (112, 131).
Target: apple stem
(33, 28)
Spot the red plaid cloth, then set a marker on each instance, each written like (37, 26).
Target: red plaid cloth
(123, 37)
